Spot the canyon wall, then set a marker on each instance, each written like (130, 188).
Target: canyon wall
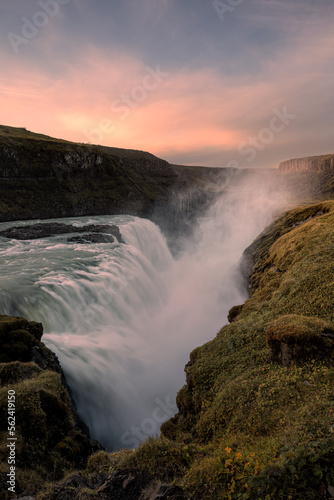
(308, 164)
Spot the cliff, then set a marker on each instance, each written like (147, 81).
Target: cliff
(308, 164)
(36, 414)
(309, 178)
(42, 177)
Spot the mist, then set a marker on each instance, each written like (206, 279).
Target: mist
(123, 319)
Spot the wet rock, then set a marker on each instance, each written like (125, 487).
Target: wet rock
(92, 238)
(36, 329)
(20, 341)
(48, 229)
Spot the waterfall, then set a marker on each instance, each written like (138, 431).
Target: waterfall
(123, 318)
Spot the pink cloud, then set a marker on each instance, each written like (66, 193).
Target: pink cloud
(114, 99)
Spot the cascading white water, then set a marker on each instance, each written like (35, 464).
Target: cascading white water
(123, 318)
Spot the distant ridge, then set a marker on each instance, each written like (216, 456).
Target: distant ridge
(308, 163)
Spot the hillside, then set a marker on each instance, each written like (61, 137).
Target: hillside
(42, 177)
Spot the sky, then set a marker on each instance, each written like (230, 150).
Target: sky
(245, 83)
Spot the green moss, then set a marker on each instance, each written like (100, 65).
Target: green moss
(12, 373)
(265, 430)
(47, 439)
(163, 458)
(294, 338)
(103, 462)
(234, 312)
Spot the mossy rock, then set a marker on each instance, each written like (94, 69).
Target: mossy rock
(14, 372)
(100, 462)
(15, 339)
(20, 340)
(234, 313)
(36, 329)
(16, 346)
(49, 439)
(71, 447)
(299, 338)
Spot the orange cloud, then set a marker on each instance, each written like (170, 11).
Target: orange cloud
(114, 99)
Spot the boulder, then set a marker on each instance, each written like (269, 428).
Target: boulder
(294, 338)
(234, 312)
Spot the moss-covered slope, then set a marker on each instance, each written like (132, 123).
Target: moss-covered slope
(36, 415)
(256, 417)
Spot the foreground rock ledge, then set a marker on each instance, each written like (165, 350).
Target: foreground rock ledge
(50, 437)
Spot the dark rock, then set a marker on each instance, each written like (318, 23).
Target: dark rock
(330, 490)
(106, 229)
(166, 492)
(20, 341)
(234, 312)
(105, 232)
(36, 329)
(45, 358)
(92, 238)
(294, 338)
(49, 429)
(122, 484)
(127, 484)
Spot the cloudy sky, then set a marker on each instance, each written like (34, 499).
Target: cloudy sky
(200, 82)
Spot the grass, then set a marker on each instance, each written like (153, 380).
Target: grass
(250, 428)
(48, 439)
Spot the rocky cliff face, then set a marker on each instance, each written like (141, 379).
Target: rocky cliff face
(42, 177)
(46, 436)
(308, 164)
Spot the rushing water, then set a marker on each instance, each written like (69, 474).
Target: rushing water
(123, 318)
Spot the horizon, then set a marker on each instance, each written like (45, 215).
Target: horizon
(250, 167)
(216, 84)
